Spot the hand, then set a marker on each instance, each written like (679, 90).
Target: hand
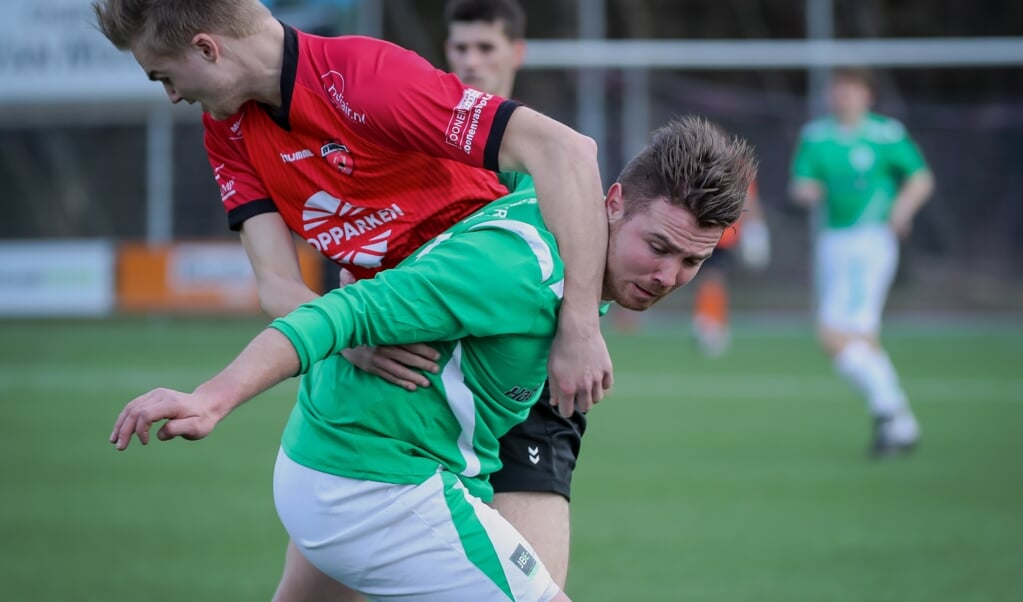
(755, 245)
(190, 416)
(901, 221)
(579, 368)
(402, 365)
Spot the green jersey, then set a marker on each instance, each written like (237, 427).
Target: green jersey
(493, 346)
(859, 168)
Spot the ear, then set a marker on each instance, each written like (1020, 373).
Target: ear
(614, 203)
(207, 47)
(519, 52)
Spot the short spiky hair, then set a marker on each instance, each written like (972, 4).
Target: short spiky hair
(691, 163)
(509, 12)
(168, 26)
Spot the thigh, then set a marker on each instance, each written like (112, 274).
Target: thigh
(854, 273)
(303, 582)
(432, 542)
(540, 454)
(544, 520)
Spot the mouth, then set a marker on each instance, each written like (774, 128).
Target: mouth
(644, 293)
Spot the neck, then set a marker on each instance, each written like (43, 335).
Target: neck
(262, 58)
(849, 119)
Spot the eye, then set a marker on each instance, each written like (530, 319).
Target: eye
(658, 249)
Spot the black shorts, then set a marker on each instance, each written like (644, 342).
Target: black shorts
(540, 453)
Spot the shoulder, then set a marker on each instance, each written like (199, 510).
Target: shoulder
(351, 46)
(817, 130)
(882, 129)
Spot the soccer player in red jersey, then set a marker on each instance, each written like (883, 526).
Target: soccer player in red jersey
(366, 151)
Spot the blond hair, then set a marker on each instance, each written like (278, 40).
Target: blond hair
(168, 26)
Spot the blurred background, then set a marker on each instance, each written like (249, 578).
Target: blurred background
(118, 274)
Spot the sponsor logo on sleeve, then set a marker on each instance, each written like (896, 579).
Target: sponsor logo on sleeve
(334, 87)
(225, 182)
(465, 119)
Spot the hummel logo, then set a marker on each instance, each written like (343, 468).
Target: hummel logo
(534, 454)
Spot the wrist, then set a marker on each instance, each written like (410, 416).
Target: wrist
(217, 399)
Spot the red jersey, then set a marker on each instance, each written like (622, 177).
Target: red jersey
(372, 153)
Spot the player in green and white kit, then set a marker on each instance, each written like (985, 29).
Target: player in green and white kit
(383, 489)
(868, 179)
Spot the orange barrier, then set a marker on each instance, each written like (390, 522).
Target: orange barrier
(196, 277)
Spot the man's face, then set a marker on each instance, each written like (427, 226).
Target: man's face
(653, 252)
(849, 99)
(196, 74)
(482, 56)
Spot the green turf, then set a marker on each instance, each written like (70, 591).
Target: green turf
(737, 479)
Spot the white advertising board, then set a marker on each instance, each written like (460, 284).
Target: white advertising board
(56, 278)
(52, 53)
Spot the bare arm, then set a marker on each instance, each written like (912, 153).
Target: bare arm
(266, 361)
(563, 164)
(271, 250)
(806, 193)
(913, 193)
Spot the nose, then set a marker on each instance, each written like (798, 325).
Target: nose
(472, 58)
(172, 94)
(673, 273)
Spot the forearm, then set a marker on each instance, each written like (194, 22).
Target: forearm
(805, 193)
(279, 296)
(563, 164)
(915, 191)
(267, 360)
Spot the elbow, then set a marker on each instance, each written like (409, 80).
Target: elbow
(270, 305)
(582, 146)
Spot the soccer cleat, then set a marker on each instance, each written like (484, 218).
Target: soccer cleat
(894, 435)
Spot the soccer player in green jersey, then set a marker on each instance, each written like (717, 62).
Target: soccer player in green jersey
(382, 488)
(868, 179)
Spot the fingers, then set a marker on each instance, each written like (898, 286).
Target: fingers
(186, 428)
(401, 365)
(139, 415)
(581, 399)
(344, 277)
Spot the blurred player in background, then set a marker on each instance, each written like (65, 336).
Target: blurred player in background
(383, 489)
(867, 180)
(750, 237)
(366, 151)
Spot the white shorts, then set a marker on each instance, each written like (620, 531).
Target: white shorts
(855, 268)
(432, 542)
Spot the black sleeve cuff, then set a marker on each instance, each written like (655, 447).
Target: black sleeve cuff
(237, 216)
(493, 147)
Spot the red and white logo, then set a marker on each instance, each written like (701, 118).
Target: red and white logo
(346, 233)
(339, 156)
(334, 87)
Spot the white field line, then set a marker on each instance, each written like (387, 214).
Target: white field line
(742, 386)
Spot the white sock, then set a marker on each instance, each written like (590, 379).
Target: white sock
(871, 372)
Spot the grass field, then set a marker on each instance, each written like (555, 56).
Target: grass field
(733, 480)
